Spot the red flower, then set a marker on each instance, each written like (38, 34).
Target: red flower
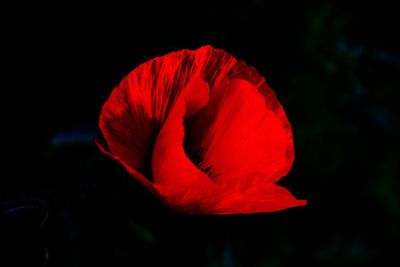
(203, 132)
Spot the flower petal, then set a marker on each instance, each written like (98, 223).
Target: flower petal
(181, 184)
(240, 135)
(257, 198)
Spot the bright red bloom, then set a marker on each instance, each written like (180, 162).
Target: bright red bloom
(203, 132)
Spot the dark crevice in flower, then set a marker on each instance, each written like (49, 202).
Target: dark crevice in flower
(196, 155)
(147, 171)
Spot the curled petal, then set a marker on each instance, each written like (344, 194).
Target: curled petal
(180, 183)
(240, 135)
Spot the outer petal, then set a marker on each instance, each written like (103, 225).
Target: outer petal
(257, 198)
(137, 108)
(240, 135)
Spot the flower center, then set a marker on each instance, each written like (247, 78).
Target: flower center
(196, 155)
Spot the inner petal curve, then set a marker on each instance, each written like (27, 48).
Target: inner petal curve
(239, 136)
(178, 181)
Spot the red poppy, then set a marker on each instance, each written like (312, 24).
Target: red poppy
(203, 132)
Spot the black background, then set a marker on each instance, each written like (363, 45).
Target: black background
(334, 67)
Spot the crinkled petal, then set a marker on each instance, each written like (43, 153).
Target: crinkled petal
(137, 108)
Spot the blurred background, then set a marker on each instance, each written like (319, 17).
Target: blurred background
(334, 66)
